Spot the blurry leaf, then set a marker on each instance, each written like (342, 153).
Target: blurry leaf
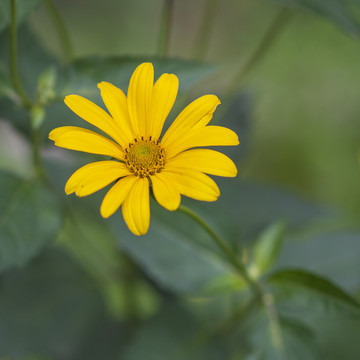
(345, 13)
(299, 282)
(338, 336)
(37, 116)
(181, 256)
(267, 247)
(333, 254)
(84, 74)
(228, 283)
(170, 254)
(46, 85)
(88, 238)
(23, 8)
(297, 338)
(174, 334)
(29, 218)
(90, 242)
(246, 207)
(52, 309)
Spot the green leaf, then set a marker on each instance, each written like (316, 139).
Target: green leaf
(245, 208)
(174, 334)
(51, 309)
(337, 335)
(170, 253)
(181, 256)
(91, 242)
(334, 254)
(84, 74)
(345, 13)
(267, 247)
(300, 282)
(23, 8)
(298, 340)
(29, 219)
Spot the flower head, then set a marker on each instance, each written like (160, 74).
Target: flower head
(172, 165)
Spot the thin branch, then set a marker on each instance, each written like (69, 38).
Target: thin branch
(267, 41)
(204, 35)
(165, 28)
(14, 59)
(60, 28)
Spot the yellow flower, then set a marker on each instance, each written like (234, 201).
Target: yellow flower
(139, 158)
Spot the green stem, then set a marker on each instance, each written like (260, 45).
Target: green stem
(266, 42)
(37, 161)
(165, 28)
(275, 327)
(14, 58)
(232, 257)
(204, 35)
(260, 293)
(60, 28)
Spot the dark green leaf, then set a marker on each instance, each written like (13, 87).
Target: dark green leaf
(321, 289)
(337, 336)
(333, 254)
(245, 208)
(174, 334)
(23, 8)
(172, 254)
(176, 245)
(88, 238)
(52, 309)
(297, 341)
(84, 74)
(29, 218)
(343, 12)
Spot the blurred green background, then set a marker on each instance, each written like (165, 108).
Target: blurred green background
(74, 286)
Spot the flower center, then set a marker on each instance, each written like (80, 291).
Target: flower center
(144, 157)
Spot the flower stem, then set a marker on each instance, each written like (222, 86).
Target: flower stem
(275, 327)
(165, 28)
(231, 256)
(266, 42)
(37, 161)
(260, 292)
(14, 58)
(60, 28)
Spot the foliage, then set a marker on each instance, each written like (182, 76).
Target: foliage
(75, 286)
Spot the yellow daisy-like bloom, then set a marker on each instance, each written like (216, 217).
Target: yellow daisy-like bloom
(140, 160)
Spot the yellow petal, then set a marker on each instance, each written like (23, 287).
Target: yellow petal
(95, 176)
(115, 101)
(165, 193)
(204, 136)
(208, 161)
(136, 207)
(197, 114)
(94, 115)
(139, 98)
(116, 195)
(193, 184)
(75, 138)
(163, 98)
